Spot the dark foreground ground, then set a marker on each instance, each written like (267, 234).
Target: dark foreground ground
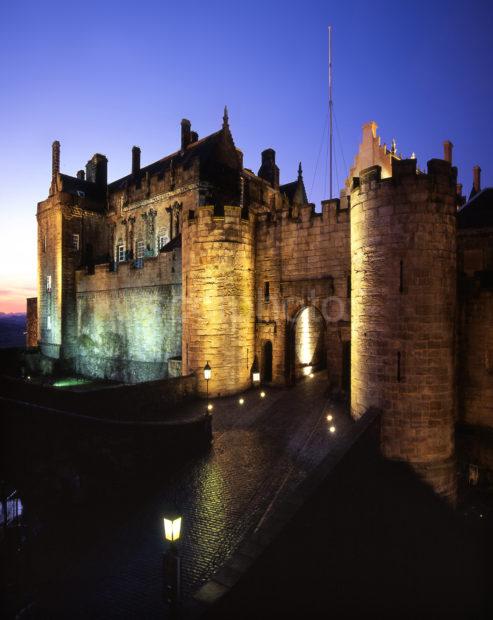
(373, 542)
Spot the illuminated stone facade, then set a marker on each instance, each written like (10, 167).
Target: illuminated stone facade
(195, 258)
(403, 312)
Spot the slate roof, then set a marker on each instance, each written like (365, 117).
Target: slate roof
(202, 148)
(172, 245)
(294, 190)
(478, 211)
(78, 187)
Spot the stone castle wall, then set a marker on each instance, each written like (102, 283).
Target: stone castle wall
(218, 301)
(50, 264)
(475, 357)
(403, 313)
(32, 322)
(304, 256)
(129, 320)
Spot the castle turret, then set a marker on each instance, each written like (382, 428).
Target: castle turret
(403, 253)
(218, 299)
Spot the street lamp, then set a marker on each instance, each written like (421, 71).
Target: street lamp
(172, 561)
(207, 376)
(172, 528)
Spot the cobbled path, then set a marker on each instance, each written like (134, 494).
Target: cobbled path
(261, 451)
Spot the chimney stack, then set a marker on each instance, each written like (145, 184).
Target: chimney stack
(268, 170)
(447, 151)
(476, 172)
(186, 133)
(97, 170)
(135, 160)
(55, 159)
(194, 137)
(81, 175)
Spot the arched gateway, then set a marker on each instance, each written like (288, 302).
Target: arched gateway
(306, 350)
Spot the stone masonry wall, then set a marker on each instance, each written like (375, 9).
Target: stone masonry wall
(32, 322)
(218, 299)
(403, 311)
(50, 264)
(129, 321)
(304, 256)
(475, 360)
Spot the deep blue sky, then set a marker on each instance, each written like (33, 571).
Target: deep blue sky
(103, 76)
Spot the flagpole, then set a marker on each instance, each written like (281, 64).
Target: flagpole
(330, 111)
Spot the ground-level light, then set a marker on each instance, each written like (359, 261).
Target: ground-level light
(241, 401)
(210, 407)
(255, 371)
(332, 429)
(329, 418)
(262, 394)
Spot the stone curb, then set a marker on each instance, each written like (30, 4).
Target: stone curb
(228, 575)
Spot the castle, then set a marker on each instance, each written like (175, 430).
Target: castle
(195, 259)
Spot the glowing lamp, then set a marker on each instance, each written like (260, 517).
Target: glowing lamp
(329, 418)
(307, 371)
(172, 528)
(241, 401)
(207, 372)
(255, 371)
(332, 429)
(210, 406)
(262, 394)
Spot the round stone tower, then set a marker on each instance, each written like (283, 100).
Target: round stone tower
(403, 310)
(218, 299)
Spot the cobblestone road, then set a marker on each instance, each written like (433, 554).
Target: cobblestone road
(262, 450)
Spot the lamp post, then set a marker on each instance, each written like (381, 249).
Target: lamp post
(172, 562)
(256, 376)
(207, 376)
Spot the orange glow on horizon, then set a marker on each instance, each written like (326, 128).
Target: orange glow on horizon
(13, 299)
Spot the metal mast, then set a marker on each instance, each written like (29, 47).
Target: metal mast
(330, 111)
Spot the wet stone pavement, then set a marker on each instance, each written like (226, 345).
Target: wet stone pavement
(261, 451)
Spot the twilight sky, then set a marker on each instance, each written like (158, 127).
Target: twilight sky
(101, 76)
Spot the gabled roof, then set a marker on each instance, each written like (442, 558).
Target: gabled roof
(478, 211)
(172, 245)
(295, 192)
(202, 148)
(79, 187)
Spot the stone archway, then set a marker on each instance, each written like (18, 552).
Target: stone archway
(307, 343)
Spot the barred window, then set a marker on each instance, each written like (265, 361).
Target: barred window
(140, 249)
(162, 241)
(120, 253)
(48, 322)
(75, 242)
(48, 284)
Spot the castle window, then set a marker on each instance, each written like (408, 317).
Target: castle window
(162, 241)
(48, 284)
(48, 322)
(266, 292)
(120, 253)
(75, 242)
(140, 249)
(44, 243)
